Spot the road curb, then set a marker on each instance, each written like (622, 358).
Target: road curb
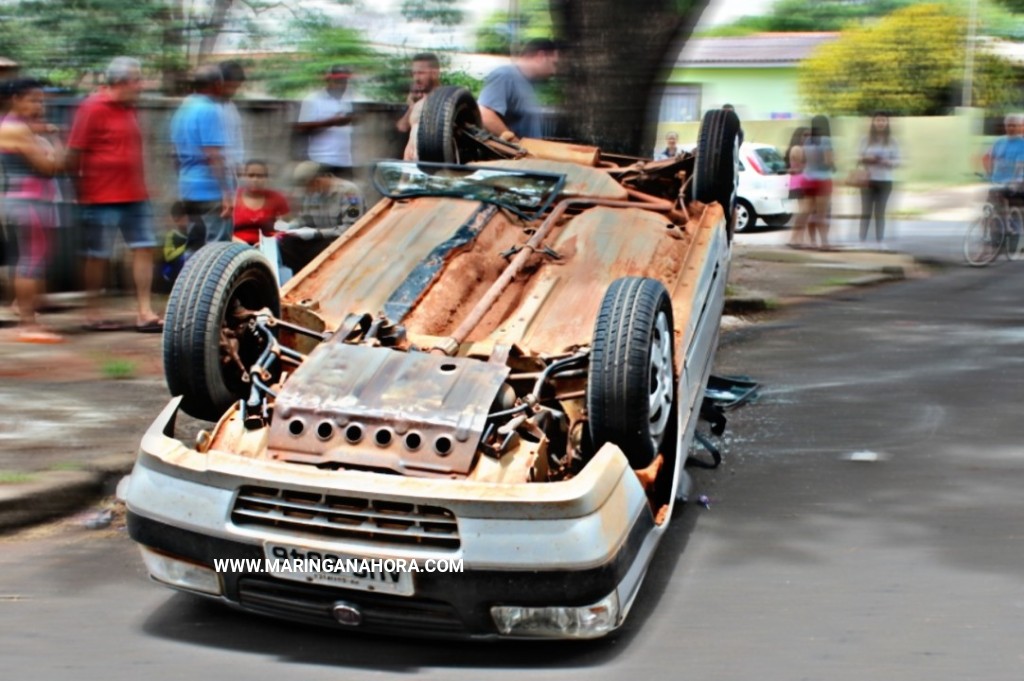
(53, 494)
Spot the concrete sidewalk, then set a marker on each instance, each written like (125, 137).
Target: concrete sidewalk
(958, 203)
(73, 413)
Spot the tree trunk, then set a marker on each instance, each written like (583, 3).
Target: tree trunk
(617, 56)
(213, 28)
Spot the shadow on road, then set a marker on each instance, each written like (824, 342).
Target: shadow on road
(196, 621)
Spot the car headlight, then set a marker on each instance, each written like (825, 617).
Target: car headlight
(588, 621)
(180, 573)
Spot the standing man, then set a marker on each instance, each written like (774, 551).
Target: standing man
(508, 103)
(1003, 162)
(200, 141)
(105, 161)
(426, 75)
(326, 117)
(233, 76)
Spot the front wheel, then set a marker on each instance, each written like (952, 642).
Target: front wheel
(983, 240)
(207, 345)
(631, 383)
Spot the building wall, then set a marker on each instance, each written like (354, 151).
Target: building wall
(936, 149)
(757, 93)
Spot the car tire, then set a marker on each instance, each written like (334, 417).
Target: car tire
(746, 216)
(780, 220)
(631, 382)
(716, 175)
(446, 113)
(213, 279)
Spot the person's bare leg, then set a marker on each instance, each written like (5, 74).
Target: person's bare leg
(25, 297)
(798, 236)
(821, 213)
(27, 292)
(93, 272)
(142, 273)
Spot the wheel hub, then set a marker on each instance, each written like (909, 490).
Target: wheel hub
(662, 385)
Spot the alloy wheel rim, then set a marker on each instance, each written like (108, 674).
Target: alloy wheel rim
(662, 389)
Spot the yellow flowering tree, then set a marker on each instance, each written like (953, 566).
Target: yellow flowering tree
(909, 63)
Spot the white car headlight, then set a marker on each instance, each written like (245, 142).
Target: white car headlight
(180, 573)
(588, 621)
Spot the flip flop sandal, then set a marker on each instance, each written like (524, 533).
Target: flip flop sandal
(152, 326)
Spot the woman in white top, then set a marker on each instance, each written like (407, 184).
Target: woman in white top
(879, 154)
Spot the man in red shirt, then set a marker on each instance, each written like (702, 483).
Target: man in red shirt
(105, 160)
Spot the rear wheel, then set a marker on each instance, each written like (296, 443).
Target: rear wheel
(631, 382)
(716, 176)
(207, 347)
(1014, 233)
(983, 241)
(442, 134)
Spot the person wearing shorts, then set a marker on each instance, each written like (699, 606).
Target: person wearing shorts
(105, 160)
(29, 161)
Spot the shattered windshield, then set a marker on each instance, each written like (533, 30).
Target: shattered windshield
(523, 192)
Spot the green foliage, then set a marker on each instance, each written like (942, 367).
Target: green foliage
(16, 477)
(442, 12)
(319, 45)
(67, 40)
(497, 31)
(390, 82)
(118, 369)
(994, 16)
(812, 15)
(909, 63)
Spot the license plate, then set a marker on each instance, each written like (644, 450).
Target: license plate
(310, 566)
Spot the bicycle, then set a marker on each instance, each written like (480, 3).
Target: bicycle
(999, 228)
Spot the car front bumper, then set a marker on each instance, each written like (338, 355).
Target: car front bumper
(541, 545)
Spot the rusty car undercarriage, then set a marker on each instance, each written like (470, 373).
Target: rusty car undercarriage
(511, 319)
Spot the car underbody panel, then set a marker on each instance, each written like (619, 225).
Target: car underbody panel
(424, 392)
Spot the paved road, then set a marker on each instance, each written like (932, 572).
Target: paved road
(867, 525)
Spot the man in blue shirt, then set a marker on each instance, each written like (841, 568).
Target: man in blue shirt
(199, 138)
(508, 104)
(1003, 162)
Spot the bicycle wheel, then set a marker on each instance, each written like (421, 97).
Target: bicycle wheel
(1014, 245)
(983, 241)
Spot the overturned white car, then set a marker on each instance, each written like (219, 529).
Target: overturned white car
(469, 415)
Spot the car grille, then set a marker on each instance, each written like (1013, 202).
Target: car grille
(315, 605)
(345, 517)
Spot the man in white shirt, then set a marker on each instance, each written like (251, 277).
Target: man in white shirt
(326, 118)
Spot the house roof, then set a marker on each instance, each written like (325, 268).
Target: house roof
(758, 50)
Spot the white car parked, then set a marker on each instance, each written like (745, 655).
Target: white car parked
(764, 187)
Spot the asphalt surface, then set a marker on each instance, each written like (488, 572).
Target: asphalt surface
(866, 524)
